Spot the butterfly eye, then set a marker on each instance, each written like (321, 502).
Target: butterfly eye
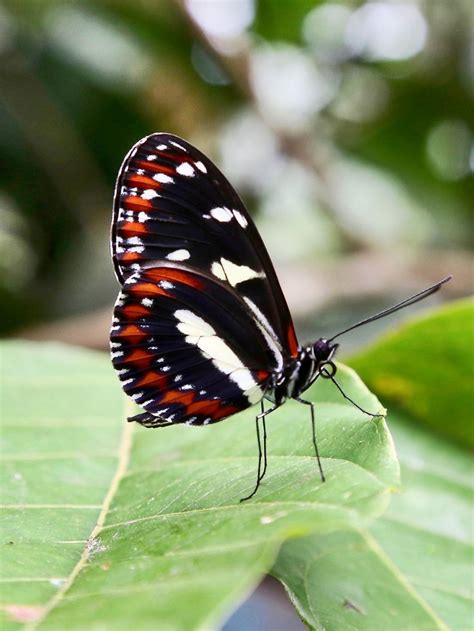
(321, 350)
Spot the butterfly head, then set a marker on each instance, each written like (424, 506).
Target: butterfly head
(323, 350)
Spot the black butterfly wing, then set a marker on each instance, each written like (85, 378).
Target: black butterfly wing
(172, 204)
(186, 348)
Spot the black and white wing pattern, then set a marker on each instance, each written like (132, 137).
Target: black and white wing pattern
(186, 348)
(201, 321)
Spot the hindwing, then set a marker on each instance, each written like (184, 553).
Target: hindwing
(187, 349)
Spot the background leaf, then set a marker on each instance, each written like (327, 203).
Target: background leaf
(412, 568)
(108, 526)
(426, 368)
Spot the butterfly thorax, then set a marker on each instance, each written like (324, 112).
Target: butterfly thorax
(298, 374)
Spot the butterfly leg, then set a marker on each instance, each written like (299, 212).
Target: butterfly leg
(313, 429)
(261, 476)
(261, 453)
(327, 375)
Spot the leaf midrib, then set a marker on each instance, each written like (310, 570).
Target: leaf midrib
(122, 464)
(371, 543)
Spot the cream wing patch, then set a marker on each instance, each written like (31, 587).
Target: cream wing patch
(201, 334)
(267, 331)
(218, 270)
(191, 324)
(234, 274)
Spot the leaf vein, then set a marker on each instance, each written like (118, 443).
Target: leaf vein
(123, 459)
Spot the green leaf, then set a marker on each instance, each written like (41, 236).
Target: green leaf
(108, 526)
(412, 568)
(426, 368)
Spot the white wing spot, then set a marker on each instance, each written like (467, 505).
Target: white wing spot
(242, 220)
(221, 214)
(134, 241)
(201, 166)
(165, 284)
(185, 169)
(142, 217)
(162, 147)
(149, 194)
(163, 178)
(178, 255)
(151, 157)
(147, 302)
(176, 144)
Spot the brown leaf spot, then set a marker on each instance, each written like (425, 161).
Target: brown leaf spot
(350, 605)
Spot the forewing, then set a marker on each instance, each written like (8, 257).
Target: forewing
(186, 348)
(173, 204)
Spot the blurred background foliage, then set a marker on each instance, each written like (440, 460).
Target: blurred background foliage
(346, 126)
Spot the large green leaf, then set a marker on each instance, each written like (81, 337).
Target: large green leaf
(426, 368)
(412, 568)
(111, 527)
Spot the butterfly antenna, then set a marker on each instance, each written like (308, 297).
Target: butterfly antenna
(401, 305)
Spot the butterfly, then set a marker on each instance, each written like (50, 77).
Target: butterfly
(201, 329)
